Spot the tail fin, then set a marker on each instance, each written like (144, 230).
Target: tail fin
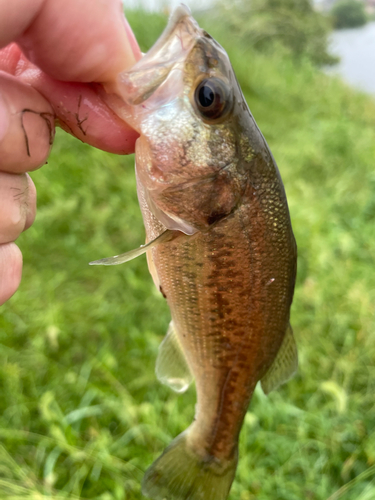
(180, 474)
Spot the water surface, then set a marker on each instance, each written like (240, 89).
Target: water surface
(356, 49)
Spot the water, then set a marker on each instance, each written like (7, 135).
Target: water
(356, 49)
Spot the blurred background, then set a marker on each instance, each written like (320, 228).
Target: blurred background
(81, 412)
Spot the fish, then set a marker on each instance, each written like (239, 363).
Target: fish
(219, 246)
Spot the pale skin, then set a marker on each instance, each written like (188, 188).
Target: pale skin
(44, 44)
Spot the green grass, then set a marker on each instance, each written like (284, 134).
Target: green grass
(81, 412)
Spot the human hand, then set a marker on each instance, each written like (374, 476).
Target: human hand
(55, 43)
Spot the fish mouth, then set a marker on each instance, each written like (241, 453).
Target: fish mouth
(180, 19)
(169, 52)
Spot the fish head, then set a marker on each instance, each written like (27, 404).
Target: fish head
(184, 100)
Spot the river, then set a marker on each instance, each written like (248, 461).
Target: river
(356, 49)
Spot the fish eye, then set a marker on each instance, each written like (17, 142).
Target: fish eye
(212, 98)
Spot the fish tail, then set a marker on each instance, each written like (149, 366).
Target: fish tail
(181, 474)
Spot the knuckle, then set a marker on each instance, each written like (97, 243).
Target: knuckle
(14, 205)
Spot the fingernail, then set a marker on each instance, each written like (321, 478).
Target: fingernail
(4, 118)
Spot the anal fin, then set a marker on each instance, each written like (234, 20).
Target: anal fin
(171, 366)
(284, 365)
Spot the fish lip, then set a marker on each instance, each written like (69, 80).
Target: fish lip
(175, 18)
(138, 83)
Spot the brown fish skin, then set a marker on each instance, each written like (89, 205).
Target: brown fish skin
(229, 277)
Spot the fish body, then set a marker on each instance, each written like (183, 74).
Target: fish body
(227, 265)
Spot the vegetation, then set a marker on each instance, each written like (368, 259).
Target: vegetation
(349, 14)
(293, 25)
(81, 412)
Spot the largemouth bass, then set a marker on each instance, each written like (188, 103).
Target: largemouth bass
(220, 249)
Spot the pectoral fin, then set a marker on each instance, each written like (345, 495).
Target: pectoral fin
(171, 366)
(125, 257)
(284, 365)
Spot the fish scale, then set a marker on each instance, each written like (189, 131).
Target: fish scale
(226, 339)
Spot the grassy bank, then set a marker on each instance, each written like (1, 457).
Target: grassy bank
(81, 412)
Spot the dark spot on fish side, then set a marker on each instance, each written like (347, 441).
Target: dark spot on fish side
(214, 217)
